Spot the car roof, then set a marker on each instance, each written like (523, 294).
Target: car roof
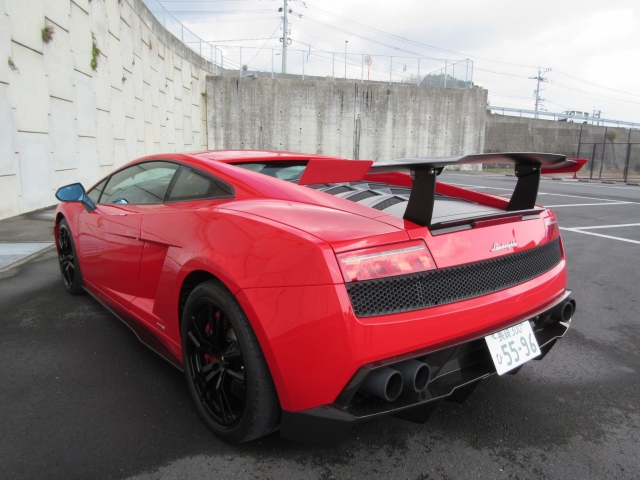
(230, 156)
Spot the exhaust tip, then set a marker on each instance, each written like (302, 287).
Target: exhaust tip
(394, 386)
(416, 374)
(384, 383)
(564, 310)
(422, 377)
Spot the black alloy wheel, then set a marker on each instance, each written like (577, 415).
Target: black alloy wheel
(224, 366)
(216, 362)
(68, 260)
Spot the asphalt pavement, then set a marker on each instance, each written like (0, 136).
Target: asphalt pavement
(80, 397)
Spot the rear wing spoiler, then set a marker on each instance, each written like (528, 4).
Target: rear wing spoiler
(423, 171)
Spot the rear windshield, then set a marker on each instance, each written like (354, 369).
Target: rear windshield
(291, 171)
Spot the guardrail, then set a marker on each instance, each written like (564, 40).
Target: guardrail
(604, 122)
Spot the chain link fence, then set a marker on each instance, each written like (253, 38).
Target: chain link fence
(311, 62)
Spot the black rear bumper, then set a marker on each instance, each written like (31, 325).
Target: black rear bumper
(456, 372)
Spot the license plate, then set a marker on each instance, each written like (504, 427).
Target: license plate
(512, 346)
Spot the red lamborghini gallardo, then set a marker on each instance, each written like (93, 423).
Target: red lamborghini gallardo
(309, 293)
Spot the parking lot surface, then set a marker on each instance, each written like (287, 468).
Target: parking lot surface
(81, 398)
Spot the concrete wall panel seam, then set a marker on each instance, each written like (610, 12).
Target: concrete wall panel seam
(71, 123)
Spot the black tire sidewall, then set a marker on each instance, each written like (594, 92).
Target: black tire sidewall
(244, 429)
(76, 288)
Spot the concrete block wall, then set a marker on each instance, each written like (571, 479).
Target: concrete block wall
(346, 119)
(515, 134)
(62, 122)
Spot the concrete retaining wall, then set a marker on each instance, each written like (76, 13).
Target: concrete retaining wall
(346, 119)
(515, 134)
(61, 121)
(605, 148)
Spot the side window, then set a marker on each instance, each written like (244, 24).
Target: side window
(145, 182)
(191, 185)
(94, 193)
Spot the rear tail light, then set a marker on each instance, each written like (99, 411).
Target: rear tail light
(552, 230)
(387, 261)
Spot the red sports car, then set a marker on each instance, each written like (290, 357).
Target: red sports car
(309, 293)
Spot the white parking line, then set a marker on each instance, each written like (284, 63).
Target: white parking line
(609, 226)
(574, 183)
(450, 172)
(589, 185)
(607, 200)
(578, 196)
(588, 204)
(577, 230)
(479, 186)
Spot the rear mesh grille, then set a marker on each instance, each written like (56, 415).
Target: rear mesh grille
(405, 293)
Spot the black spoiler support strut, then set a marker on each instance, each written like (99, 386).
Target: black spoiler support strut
(423, 171)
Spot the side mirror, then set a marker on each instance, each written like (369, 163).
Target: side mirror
(75, 193)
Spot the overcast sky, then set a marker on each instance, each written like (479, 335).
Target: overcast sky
(592, 47)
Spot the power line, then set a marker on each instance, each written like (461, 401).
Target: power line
(402, 39)
(595, 84)
(236, 40)
(501, 73)
(352, 34)
(265, 43)
(201, 1)
(593, 94)
(222, 12)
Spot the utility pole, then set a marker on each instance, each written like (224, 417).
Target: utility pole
(285, 28)
(596, 114)
(536, 92)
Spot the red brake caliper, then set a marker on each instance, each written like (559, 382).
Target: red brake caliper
(210, 358)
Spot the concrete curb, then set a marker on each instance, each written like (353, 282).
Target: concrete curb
(26, 259)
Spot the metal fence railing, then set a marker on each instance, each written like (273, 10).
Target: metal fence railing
(558, 116)
(610, 161)
(317, 63)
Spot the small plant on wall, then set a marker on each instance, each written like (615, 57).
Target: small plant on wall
(95, 54)
(47, 33)
(12, 65)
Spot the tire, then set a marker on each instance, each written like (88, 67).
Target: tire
(225, 368)
(68, 260)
